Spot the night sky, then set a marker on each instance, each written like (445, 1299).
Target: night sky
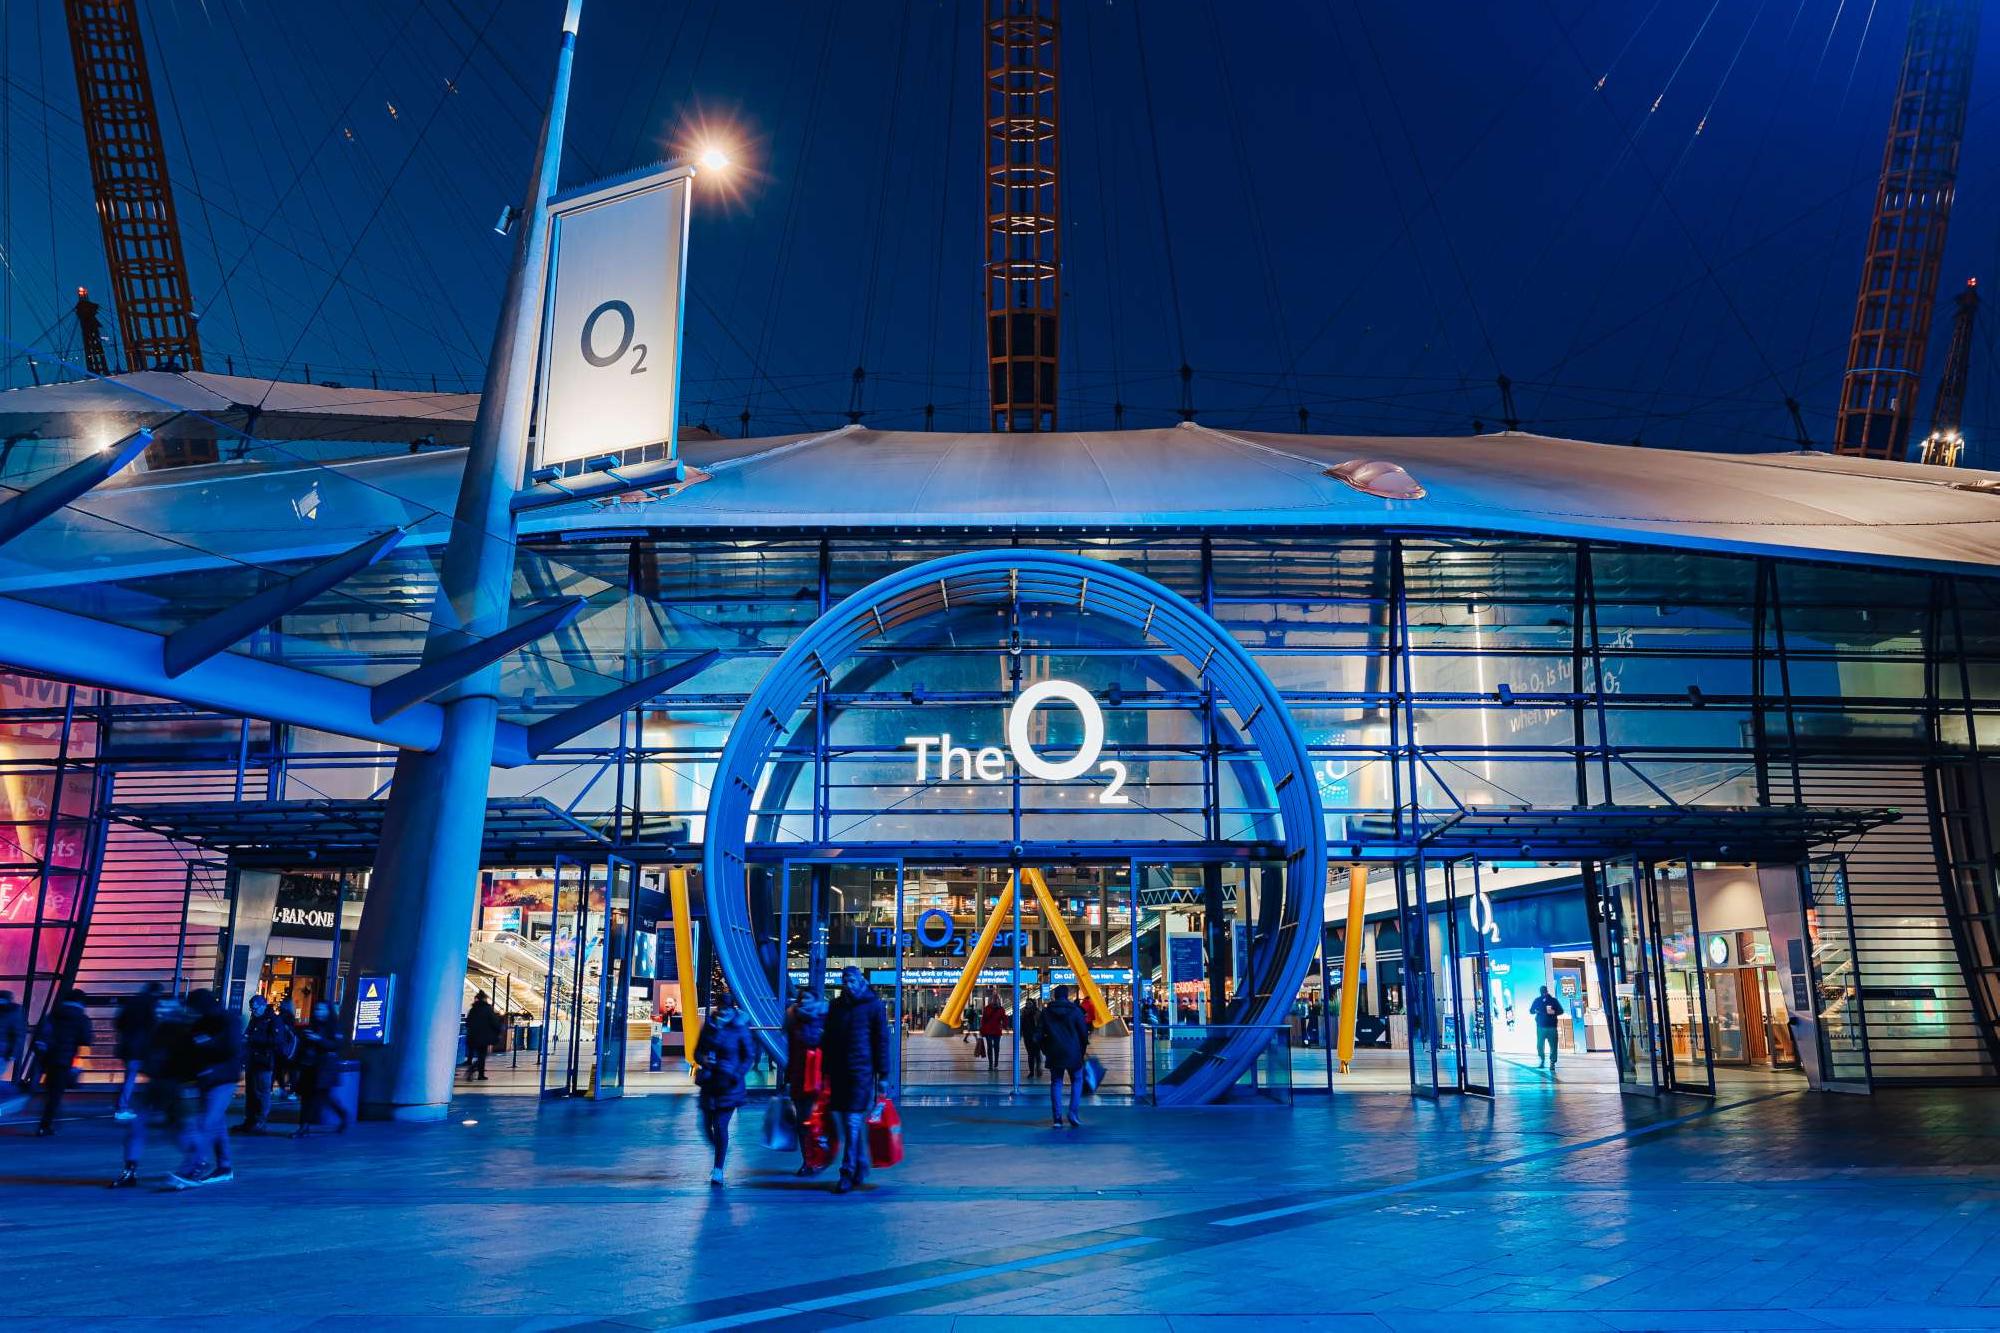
(1369, 210)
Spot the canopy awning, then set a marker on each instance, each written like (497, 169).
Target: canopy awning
(1602, 833)
(345, 833)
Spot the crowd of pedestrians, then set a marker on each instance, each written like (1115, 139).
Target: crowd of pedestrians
(180, 1061)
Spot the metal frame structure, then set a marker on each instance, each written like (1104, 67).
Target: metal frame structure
(135, 195)
(1906, 239)
(1434, 676)
(1023, 211)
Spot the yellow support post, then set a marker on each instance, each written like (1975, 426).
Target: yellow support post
(1350, 970)
(946, 1023)
(1071, 954)
(677, 906)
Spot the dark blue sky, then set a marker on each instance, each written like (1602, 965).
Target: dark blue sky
(1369, 210)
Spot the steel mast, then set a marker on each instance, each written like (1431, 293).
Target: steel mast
(1946, 441)
(1023, 199)
(1899, 276)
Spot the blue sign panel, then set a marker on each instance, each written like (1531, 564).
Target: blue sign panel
(1184, 962)
(373, 991)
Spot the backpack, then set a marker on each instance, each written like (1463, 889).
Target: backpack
(284, 1039)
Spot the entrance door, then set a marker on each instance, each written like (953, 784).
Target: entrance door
(1420, 1009)
(834, 914)
(1836, 979)
(1471, 917)
(1643, 917)
(614, 976)
(569, 1007)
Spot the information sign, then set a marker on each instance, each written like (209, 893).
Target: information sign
(372, 996)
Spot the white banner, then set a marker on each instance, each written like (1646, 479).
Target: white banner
(611, 328)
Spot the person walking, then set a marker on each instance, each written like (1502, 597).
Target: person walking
(992, 1027)
(132, 1033)
(1065, 1044)
(482, 1034)
(266, 1041)
(13, 1043)
(856, 1049)
(1547, 1009)
(805, 1065)
(281, 1074)
(160, 1091)
(214, 1061)
(1031, 1037)
(722, 1058)
(62, 1035)
(314, 1070)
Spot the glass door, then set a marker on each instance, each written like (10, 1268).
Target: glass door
(1676, 942)
(1619, 922)
(1471, 920)
(614, 977)
(1836, 979)
(1419, 1003)
(569, 1009)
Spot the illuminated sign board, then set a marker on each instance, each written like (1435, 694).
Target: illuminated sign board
(611, 336)
(989, 763)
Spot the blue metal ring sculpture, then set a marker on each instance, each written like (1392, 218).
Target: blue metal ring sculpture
(1280, 955)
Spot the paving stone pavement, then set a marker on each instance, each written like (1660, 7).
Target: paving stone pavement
(1550, 1209)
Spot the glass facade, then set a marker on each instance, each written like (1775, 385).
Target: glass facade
(1432, 676)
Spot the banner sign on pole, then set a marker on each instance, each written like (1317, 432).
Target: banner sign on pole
(611, 324)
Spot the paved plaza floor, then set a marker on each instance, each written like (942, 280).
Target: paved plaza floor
(1554, 1207)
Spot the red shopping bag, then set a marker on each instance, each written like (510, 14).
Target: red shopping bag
(885, 1134)
(816, 1136)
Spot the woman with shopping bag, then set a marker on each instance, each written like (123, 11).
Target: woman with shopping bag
(805, 1081)
(722, 1060)
(856, 1049)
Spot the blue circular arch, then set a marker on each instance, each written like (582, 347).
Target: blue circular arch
(1281, 953)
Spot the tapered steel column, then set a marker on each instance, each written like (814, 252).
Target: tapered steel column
(421, 899)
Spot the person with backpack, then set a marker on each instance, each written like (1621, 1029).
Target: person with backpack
(132, 1032)
(482, 1033)
(805, 1072)
(281, 1075)
(1065, 1045)
(160, 1091)
(315, 1067)
(856, 1050)
(723, 1057)
(266, 1041)
(212, 1058)
(63, 1034)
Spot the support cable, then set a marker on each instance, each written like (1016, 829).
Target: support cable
(1166, 231)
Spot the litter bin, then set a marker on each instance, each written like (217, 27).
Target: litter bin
(343, 1090)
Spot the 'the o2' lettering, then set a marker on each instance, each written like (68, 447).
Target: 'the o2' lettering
(627, 327)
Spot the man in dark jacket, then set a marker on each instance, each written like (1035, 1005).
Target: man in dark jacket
(132, 1032)
(482, 1034)
(212, 1060)
(856, 1049)
(1031, 1037)
(160, 1091)
(266, 1041)
(61, 1035)
(1065, 1045)
(13, 1041)
(1548, 1011)
(314, 1069)
(723, 1056)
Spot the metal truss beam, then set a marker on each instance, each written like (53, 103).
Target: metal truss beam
(90, 652)
(72, 483)
(195, 644)
(567, 725)
(434, 677)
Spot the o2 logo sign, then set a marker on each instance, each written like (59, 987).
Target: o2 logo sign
(620, 314)
(936, 932)
(989, 764)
